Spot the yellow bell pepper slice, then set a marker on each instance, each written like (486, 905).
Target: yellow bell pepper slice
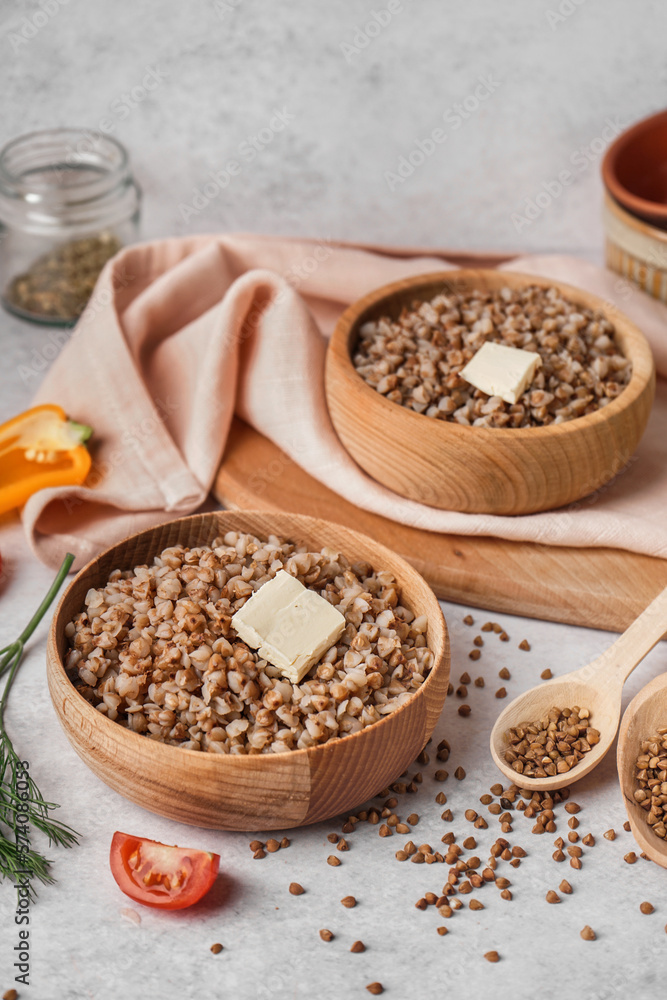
(38, 449)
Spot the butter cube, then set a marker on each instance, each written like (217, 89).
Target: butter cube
(501, 371)
(289, 625)
(257, 616)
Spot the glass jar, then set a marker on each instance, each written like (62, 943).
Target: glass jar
(68, 202)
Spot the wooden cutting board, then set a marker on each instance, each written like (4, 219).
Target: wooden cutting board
(600, 588)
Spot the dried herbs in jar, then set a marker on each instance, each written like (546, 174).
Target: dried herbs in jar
(68, 203)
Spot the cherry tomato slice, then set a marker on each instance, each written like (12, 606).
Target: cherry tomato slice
(169, 878)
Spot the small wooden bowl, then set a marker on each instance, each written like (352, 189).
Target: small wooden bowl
(635, 249)
(479, 469)
(634, 169)
(642, 718)
(266, 791)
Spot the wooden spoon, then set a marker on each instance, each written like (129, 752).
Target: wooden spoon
(598, 687)
(644, 715)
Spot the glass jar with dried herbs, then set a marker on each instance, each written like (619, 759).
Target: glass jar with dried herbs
(68, 203)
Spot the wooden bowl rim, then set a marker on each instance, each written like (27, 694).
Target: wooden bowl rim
(637, 351)
(624, 762)
(632, 221)
(240, 760)
(576, 695)
(633, 203)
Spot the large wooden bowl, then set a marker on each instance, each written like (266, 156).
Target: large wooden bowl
(265, 791)
(480, 469)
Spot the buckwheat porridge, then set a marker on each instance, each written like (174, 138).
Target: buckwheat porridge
(415, 359)
(155, 650)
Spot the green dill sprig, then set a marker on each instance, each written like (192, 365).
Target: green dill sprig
(24, 808)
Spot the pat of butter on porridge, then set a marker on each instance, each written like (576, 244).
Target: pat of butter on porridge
(289, 625)
(502, 371)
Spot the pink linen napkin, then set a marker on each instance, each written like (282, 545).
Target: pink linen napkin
(181, 333)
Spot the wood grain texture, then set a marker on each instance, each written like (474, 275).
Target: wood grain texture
(644, 715)
(598, 588)
(479, 469)
(531, 706)
(262, 792)
(598, 686)
(635, 249)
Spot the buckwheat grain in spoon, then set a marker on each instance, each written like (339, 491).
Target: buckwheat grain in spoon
(642, 769)
(594, 691)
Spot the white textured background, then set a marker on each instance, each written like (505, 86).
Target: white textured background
(560, 84)
(227, 65)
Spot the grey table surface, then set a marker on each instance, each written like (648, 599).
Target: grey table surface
(521, 91)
